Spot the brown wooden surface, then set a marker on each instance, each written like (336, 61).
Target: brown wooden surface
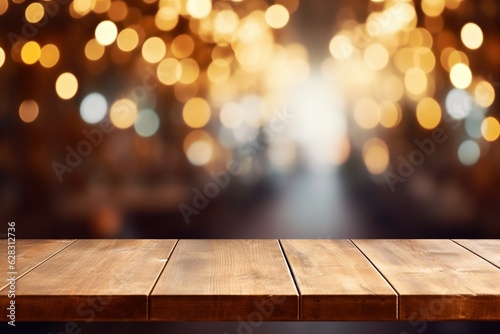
(336, 282)
(488, 249)
(437, 279)
(92, 280)
(29, 254)
(237, 280)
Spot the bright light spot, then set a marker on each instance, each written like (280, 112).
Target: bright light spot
(367, 113)
(199, 152)
(226, 22)
(127, 39)
(182, 46)
(390, 114)
(2, 57)
(428, 113)
(458, 103)
(106, 32)
(424, 59)
(153, 50)
(28, 111)
(198, 8)
(433, 8)
(93, 108)
(94, 50)
(484, 94)
(169, 71)
(472, 36)
(147, 123)
(277, 16)
(490, 128)
(30, 53)
(376, 56)
(34, 12)
(376, 155)
(166, 18)
(196, 112)
(469, 153)
(218, 71)
(416, 81)
(49, 56)
(341, 47)
(190, 71)
(231, 115)
(123, 113)
(66, 86)
(461, 76)
(82, 7)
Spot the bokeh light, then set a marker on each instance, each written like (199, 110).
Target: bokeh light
(469, 152)
(458, 103)
(93, 108)
(154, 49)
(277, 16)
(66, 85)
(231, 115)
(367, 113)
(93, 50)
(461, 76)
(376, 56)
(49, 56)
(127, 40)
(123, 113)
(28, 111)
(428, 113)
(30, 52)
(484, 94)
(34, 12)
(2, 57)
(196, 112)
(198, 8)
(376, 155)
(147, 123)
(490, 128)
(106, 32)
(169, 71)
(472, 36)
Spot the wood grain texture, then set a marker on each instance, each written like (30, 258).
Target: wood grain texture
(336, 282)
(436, 279)
(225, 280)
(29, 254)
(488, 249)
(93, 280)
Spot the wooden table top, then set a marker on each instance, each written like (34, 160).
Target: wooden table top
(254, 280)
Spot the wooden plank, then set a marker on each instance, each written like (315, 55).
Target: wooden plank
(436, 279)
(221, 280)
(29, 254)
(93, 280)
(336, 282)
(488, 249)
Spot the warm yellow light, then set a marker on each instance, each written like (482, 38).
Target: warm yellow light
(490, 128)
(182, 46)
(416, 81)
(49, 56)
(28, 111)
(428, 113)
(153, 50)
(218, 71)
(457, 57)
(367, 113)
(118, 11)
(484, 94)
(196, 112)
(82, 7)
(390, 114)
(376, 56)
(4, 5)
(169, 71)
(66, 86)
(166, 18)
(34, 12)
(376, 155)
(340, 47)
(461, 76)
(472, 36)
(94, 50)
(190, 71)
(30, 53)
(106, 32)
(127, 39)
(2, 57)
(277, 16)
(424, 59)
(226, 22)
(101, 6)
(198, 8)
(123, 113)
(199, 152)
(433, 8)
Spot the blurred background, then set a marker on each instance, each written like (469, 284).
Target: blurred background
(251, 119)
